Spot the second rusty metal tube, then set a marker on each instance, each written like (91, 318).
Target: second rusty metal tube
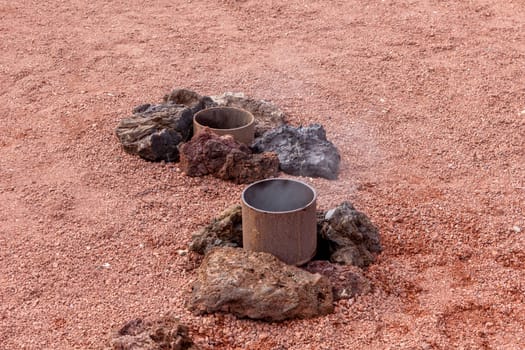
(279, 217)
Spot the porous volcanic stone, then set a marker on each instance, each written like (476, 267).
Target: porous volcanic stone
(225, 231)
(154, 131)
(258, 286)
(302, 151)
(225, 158)
(190, 99)
(165, 334)
(349, 236)
(347, 280)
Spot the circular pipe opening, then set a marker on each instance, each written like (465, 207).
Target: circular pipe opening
(278, 195)
(226, 121)
(224, 118)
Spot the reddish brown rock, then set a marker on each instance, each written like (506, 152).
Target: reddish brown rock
(347, 280)
(164, 334)
(258, 286)
(225, 158)
(244, 168)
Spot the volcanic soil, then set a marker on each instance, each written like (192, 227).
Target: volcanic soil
(424, 99)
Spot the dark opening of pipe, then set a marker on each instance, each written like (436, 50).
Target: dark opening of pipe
(279, 195)
(224, 118)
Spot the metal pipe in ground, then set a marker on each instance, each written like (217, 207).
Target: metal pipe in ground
(279, 217)
(226, 121)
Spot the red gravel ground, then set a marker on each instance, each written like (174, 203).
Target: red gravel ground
(425, 100)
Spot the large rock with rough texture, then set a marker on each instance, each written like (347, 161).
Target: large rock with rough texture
(190, 99)
(258, 286)
(225, 158)
(224, 231)
(347, 280)
(349, 236)
(154, 131)
(165, 334)
(302, 151)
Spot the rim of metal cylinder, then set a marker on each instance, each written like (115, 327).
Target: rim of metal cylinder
(208, 110)
(253, 185)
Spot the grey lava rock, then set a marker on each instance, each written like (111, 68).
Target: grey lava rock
(258, 286)
(302, 151)
(267, 115)
(225, 231)
(225, 158)
(347, 280)
(165, 334)
(349, 236)
(154, 131)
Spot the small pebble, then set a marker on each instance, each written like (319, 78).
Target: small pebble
(516, 229)
(182, 252)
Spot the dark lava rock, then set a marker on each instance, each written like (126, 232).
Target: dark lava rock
(258, 286)
(225, 158)
(267, 115)
(347, 281)
(302, 151)
(154, 131)
(225, 231)
(349, 236)
(165, 334)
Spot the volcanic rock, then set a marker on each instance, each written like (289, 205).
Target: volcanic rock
(347, 280)
(225, 158)
(302, 151)
(225, 231)
(259, 286)
(165, 334)
(190, 99)
(154, 131)
(349, 236)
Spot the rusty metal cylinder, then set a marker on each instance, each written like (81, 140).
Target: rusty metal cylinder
(279, 217)
(226, 121)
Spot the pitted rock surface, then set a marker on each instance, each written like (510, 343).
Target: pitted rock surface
(225, 231)
(164, 334)
(349, 236)
(225, 158)
(347, 280)
(154, 131)
(190, 99)
(259, 286)
(302, 151)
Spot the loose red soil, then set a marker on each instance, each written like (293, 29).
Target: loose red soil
(425, 100)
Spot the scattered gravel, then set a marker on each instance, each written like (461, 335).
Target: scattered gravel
(424, 101)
